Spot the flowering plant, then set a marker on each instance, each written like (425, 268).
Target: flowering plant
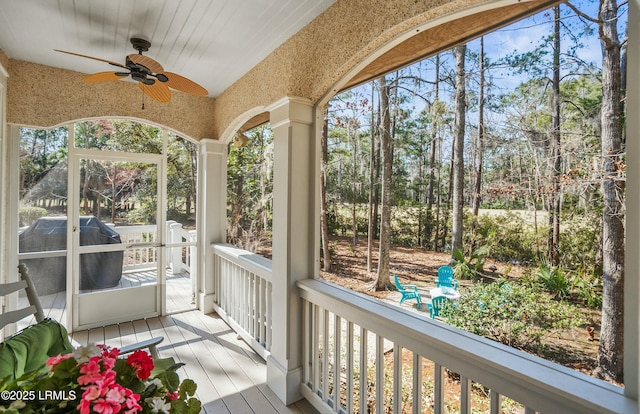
(94, 379)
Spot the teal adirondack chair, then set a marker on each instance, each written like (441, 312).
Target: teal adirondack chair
(436, 305)
(445, 278)
(408, 291)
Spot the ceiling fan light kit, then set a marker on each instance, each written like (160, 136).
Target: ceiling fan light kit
(150, 75)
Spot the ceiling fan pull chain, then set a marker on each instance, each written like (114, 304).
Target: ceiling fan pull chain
(143, 100)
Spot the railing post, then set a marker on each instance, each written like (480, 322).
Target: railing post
(175, 236)
(192, 263)
(294, 233)
(167, 230)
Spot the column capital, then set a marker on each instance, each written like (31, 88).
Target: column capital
(290, 109)
(212, 146)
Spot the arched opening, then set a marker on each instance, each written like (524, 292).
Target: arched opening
(521, 182)
(126, 193)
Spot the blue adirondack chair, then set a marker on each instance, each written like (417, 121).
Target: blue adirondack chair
(408, 291)
(436, 305)
(445, 278)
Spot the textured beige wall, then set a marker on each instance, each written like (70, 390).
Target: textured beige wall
(311, 64)
(313, 61)
(42, 96)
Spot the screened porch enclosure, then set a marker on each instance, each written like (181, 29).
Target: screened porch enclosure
(256, 334)
(127, 231)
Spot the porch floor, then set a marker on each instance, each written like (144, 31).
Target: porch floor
(231, 377)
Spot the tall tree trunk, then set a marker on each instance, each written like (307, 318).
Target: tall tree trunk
(326, 253)
(436, 235)
(447, 210)
(457, 169)
(382, 281)
(610, 352)
(480, 139)
(354, 175)
(372, 184)
(376, 192)
(432, 156)
(554, 197)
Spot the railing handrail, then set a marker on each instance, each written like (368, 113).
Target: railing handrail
(254, 263)
(532, 381)
(147, 228)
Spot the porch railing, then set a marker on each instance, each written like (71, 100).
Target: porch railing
(178, 259)
(363, 355)
(143, 257)
(242, 286)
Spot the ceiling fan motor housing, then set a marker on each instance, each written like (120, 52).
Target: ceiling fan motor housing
(141, 45)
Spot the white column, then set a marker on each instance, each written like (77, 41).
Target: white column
(293, 238)
(632, 258)
(212, 213)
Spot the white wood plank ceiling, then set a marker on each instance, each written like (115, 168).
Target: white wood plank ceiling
(213, 42)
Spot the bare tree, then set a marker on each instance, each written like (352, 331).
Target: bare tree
(458, 148)
(611, 335)
(326, 253)
(475, 202)
(556, 156)
(386, 154)
(435, 110)
(372, 184)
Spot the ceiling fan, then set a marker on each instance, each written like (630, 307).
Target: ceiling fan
(149, 74)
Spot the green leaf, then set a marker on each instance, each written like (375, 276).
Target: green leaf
(170, 380)
(179, 407)
(187, 388)
(194, 406)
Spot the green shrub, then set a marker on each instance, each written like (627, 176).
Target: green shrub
(578, 241)
(145, 213)
(28, 215)
(507, 236)
(513, 314)
(588, 287)
(177, 215)
(469, 269)
(404, 226)
(553, 280)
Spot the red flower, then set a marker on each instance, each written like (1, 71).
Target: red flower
(108, 352)
(55, 360)
(142, 363)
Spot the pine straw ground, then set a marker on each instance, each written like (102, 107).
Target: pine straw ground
(571, 347)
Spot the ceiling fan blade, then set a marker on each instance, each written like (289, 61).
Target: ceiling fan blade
(94, 58)
(158, 91)
(105, 76)
(147, 62)
(183, 84)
